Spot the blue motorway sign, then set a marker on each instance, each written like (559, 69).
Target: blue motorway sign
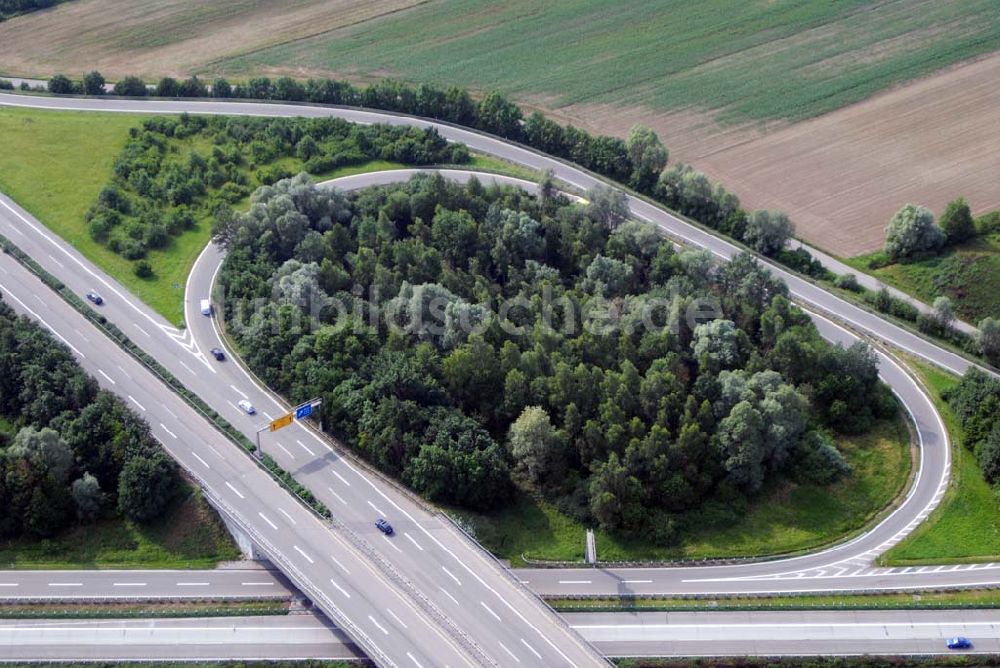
(303, 411)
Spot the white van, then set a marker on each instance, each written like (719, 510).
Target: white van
(206, 307)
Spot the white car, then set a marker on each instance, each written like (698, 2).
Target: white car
(247, 407)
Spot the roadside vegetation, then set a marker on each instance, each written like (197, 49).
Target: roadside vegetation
(382, 302)
(189, 534)
(150, 609)
(965, 527)
(934, 600)
(640, 161)
(76, 464)
(952, 264)
(76, 155)
(788, 516)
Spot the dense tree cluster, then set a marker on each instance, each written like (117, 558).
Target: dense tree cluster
(162, 186)
(77, 452)
(466, 338)
(976, 402)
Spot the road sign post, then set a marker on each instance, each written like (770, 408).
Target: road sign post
(299, 412)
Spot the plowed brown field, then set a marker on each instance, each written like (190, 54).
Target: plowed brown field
(154, 38)
(842, 176)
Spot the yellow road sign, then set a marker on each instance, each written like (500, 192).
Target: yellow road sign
(283, 421)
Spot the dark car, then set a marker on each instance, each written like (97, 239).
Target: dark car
(958, 642)
(218, 354)
(94, 297)
(384, 526)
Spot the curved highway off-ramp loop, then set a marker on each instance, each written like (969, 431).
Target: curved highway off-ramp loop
(926, 491)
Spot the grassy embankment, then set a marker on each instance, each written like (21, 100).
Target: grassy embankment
(965, 527)
(54, 164)
(786, 517)
(749, 60)
(968, 274)
(189, 535)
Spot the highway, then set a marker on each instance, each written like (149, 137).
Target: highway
(455, 580)
(328, 565)
(620, 634)
(114, 585)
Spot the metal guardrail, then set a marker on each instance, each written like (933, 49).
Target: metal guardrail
(318, 597)
(518, 584)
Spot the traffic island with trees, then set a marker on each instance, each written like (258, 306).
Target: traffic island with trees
(75, 460)
(482, 344)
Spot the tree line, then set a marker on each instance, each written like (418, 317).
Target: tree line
(638, 161)
(450, 332)
(71, 452)
(165, 182)
(976, 402)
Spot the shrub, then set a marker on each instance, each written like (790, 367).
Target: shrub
(61, 85)
(848, 282)
(912, 230)
(143, 269)
(956, 221)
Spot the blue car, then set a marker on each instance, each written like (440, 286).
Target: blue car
(94, 297)
(384, 526)
(959, 642)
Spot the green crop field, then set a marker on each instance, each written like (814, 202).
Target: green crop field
(759, 59)
(968, 274)
(785, 518)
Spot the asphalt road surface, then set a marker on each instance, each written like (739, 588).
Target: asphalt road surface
(304, 636)
(113, 585)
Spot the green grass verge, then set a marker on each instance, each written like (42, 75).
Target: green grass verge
(969, 275)
(965, 598)
(154, 609)
(188, 535)
(55, 163)
(750, 60)
(786, 518)
(965, 527)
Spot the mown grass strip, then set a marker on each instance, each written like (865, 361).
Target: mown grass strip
(934, 600)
